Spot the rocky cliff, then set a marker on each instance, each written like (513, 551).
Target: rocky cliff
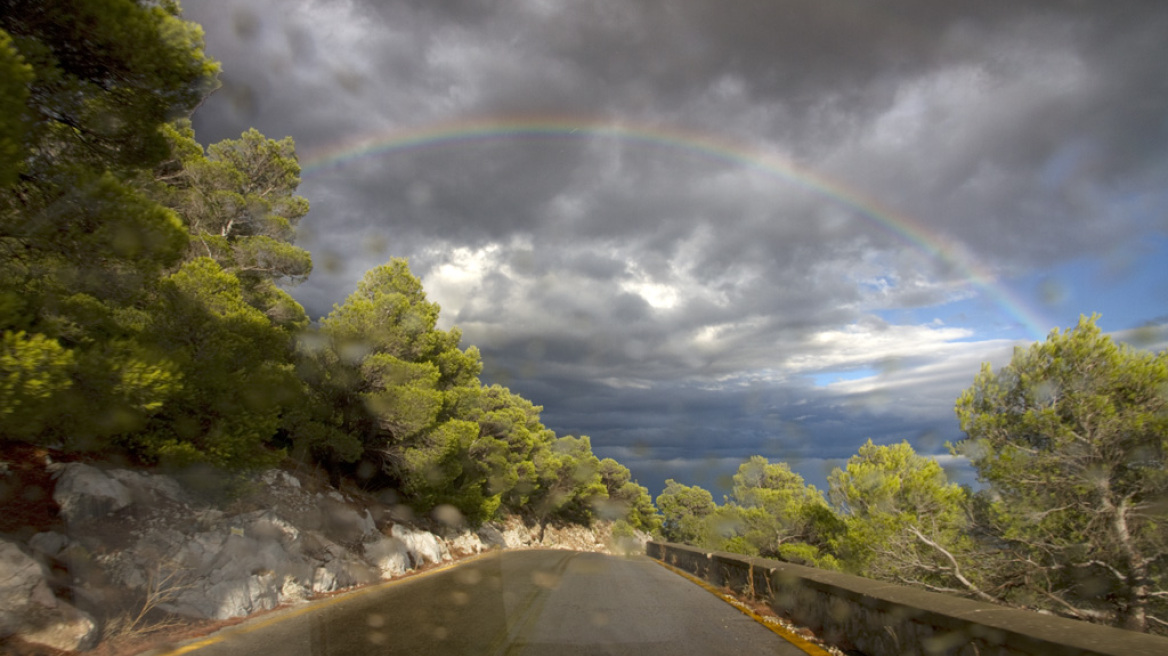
(132, 549)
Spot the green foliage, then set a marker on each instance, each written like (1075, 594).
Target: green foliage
(626, 500)
(904, 518)
(15, 76)
(894, 480)
(117, 220)
(82, 244)
(33, 369)
(810, 555)
(328, 421)
(772, 487)
(823, 531)
(570, 485)
(389, 320)
(440, 471)
(510, 434)
(383, 376)
(167, 365)
(736, 529)
(622, 529)
(105, 75)
(1071, 438)
(238, 201)
(85, 273)
(684, 510)
(771, 509)
(100, 239)
(233, 363)
(403, 396)
(84, 248)
(389, 313)
(882, 497)
(278, 306)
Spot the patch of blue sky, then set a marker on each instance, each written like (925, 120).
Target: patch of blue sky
(825, 378)
(983, 319)
(877, 283)
(1129, 289)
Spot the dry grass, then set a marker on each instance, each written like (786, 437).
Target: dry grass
(163, 585)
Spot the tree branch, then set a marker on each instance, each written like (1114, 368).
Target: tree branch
(930, 587)
(1043, 514)
(1099, 563)
(1081, 613)
(956, 569)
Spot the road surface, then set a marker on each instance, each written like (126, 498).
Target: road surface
(528, 603)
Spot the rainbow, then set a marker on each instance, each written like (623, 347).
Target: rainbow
(904, 227)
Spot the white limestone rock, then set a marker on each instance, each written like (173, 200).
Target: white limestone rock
(491, 536)
(465, 543)
(145, 488)
(63, 627)
(280, 478)
(267, 525)
(201, 549)
(343, 523)
(574, 537)
(85, 493)
(228, 565)
(255, 567)
(326, 578)
(340, 573)
(320, 548)
(368, 526)
(231, 597)
(29, 610)
(292, 591)
(49, 543)
(389, 555)
(22, 584)
(517, 536)
(424, 547)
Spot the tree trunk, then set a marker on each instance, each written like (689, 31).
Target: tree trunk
(1137, 616)
(1134, 614)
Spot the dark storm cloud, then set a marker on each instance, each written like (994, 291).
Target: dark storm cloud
(810, 428)
(663, 299)
(820, 73)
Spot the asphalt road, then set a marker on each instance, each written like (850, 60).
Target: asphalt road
(529, 603)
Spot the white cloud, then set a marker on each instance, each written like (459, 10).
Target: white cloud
(873, 344)
(454, 282)
(662, 296)
(627, 383)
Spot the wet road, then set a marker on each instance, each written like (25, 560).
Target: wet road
(529, 603)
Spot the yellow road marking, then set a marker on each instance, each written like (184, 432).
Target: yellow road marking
(248, 627)
(790, 636)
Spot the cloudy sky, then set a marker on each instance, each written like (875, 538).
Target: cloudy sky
(698, 230)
